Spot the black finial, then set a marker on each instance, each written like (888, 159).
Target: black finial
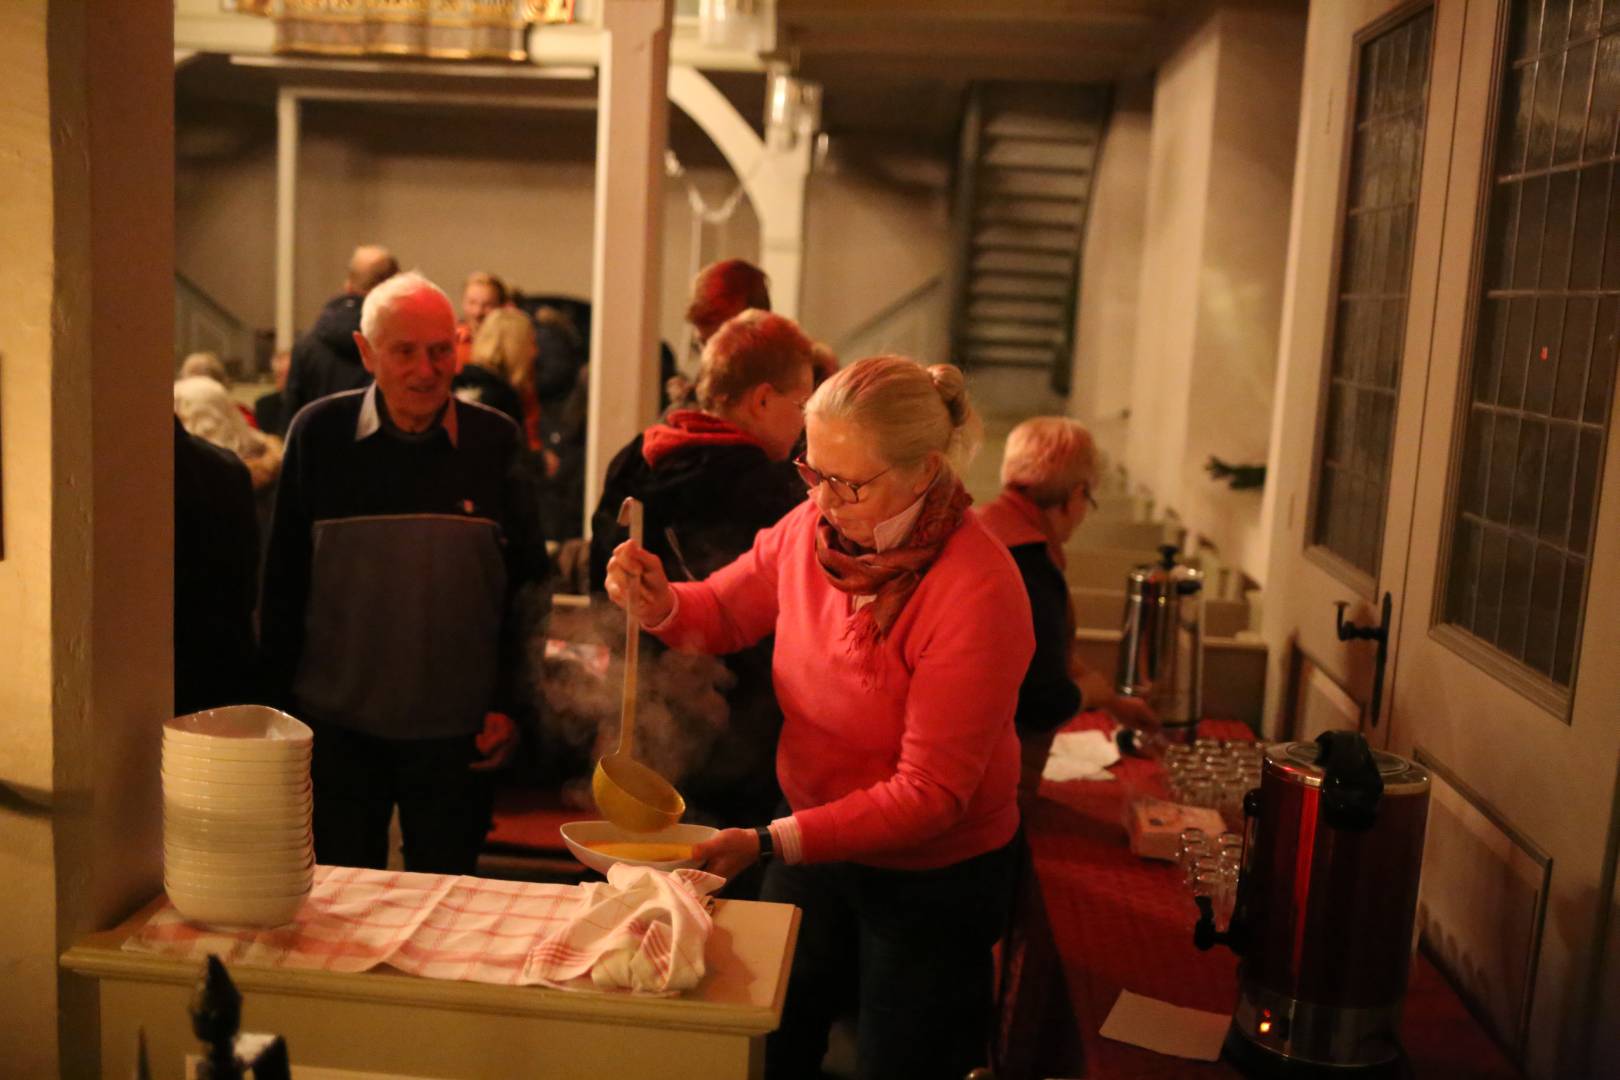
(216, 1016)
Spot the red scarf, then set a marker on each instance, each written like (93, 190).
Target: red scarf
(889, 576)
(1014, 520)
(691, 427)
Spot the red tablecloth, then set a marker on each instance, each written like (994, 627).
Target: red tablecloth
(1122, 922)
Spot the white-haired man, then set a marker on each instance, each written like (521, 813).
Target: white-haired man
(404, 531)
(1048, 471)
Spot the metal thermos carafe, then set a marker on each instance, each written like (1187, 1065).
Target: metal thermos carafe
(1161, 649)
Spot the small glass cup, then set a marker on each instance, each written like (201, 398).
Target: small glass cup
(1201, 866)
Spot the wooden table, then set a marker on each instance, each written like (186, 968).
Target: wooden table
(382, 1021)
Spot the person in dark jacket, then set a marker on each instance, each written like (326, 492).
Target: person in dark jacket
(270, 409)
(1048, 471)
(216, 576)
(405, 575)
(326, 360)
(710, 479)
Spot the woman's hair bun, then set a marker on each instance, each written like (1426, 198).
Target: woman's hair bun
(952, 388)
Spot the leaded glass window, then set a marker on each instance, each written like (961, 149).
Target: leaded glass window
(1375, 261)
(1540, 375)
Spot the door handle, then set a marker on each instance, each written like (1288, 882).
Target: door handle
(1349, 631)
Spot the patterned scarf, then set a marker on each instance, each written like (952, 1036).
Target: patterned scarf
(889, 576)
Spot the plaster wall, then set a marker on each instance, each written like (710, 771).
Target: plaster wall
(1179, 158)
(1106, 313)
(27, 861)
(85, 585)
(1225, 113)
(512, 193)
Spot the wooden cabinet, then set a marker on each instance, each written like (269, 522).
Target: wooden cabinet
(385, 1022)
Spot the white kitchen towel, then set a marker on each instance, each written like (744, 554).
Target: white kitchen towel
(642, 930)
(1081, 755)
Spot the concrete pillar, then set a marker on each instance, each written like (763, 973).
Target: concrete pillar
(87, 266)
(632, 130)
(287, 136)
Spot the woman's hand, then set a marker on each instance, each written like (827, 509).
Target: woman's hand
(1097, 692)
(633, 570)
(729, 852)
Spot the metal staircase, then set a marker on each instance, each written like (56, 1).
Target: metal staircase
(1028, 152)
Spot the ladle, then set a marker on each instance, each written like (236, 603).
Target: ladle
(628, 793)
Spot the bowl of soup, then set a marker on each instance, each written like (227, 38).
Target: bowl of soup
(600, 844)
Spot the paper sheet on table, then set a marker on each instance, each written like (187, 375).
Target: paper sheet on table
(1165, 1028)
(1081, 755)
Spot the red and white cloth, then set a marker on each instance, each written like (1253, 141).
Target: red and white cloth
(643, 930)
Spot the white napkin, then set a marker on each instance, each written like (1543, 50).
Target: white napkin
(1081, 755)
(642, 930)
(1165, 1028)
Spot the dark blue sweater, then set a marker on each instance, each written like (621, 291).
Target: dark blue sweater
(404, 571)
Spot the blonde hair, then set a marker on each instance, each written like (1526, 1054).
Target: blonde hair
(499, 346)
(1047, 457)
(910, 411)
(206, 364)
(752, 348)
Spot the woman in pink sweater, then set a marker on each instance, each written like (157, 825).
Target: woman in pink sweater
(902, 634)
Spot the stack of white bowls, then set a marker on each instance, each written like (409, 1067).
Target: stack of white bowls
(236, 815)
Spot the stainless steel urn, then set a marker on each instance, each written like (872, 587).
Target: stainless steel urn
(1161, 649)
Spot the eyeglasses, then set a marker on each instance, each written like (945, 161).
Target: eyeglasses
(847, 490)
(1090, 499)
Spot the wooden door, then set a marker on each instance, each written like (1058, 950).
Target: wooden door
(1507, 684)
(1369, 199)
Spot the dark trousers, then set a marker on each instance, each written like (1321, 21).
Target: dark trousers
(913, 947)
(444, 808)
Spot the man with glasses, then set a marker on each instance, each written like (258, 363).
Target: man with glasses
(1048, 472)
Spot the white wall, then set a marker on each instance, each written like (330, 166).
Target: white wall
(512, 193)
(85, 583)
(1111, 266)
(1225, 112)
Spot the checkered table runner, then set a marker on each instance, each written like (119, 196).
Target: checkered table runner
(641, 930)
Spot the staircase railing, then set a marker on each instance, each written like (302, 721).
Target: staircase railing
(203, 324)
(915, 324)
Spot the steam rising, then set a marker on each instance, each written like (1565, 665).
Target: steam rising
(681, 712)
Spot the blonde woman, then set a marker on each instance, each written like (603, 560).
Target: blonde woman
(902, 632)
(500, 372)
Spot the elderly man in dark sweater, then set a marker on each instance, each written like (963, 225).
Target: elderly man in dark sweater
(405, 566)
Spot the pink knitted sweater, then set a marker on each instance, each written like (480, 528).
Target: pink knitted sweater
(920, 770)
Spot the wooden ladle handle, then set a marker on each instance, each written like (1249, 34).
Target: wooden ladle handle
(630, 514)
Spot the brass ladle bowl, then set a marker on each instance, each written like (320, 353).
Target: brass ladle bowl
(628, 793)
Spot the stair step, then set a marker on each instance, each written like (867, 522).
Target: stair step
(1007, 356)
(1043, 312)
(1024, 125)
(1015, 262)
(1012, 333)
(1034, 184)
(1027, 238)
(1063, 213)
(1021, 286)
(1014, 154)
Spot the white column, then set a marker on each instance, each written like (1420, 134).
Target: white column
(774, 177)
(631, 132)
(286, 211)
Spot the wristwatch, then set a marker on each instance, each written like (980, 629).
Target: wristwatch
(767, 849)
